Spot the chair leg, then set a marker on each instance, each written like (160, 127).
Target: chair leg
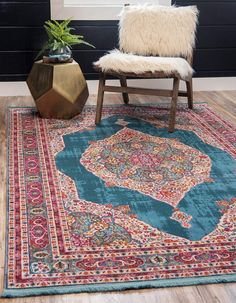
(123, 83)
(173, 105)
(189, 85)
(100, 97)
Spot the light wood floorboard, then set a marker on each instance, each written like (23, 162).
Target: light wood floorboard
(224, 103)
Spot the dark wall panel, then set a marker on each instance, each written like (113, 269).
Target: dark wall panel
(211, 60)
(213, 12)
(104, 37)
(23, 13)
(215, 53)
(12, 62)
(32, 38)
(217, 36)
(22, 36)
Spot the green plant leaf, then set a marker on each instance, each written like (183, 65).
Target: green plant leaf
(59, 35)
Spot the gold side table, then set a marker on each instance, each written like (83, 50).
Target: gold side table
(59, 89)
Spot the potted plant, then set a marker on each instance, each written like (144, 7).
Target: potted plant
(60, 40)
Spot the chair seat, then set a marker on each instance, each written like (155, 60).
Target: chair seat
(118, 62)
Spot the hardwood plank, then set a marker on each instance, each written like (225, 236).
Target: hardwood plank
(221, 293)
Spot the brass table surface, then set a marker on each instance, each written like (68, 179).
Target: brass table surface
(59, 89)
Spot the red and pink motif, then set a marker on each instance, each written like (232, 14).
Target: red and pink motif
(34, 192)
(38, 232)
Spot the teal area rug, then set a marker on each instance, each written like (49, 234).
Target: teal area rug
(121, 205)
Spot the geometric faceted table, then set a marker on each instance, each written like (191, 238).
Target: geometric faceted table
(59, 89)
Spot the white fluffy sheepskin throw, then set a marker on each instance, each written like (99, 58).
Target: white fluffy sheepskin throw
(117, 61)
(158, 30)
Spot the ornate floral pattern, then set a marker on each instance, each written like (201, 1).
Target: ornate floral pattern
(181, 217)
(163, 168)
(89, 229)
(55, 238)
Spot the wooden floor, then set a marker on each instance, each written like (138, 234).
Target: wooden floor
(225, 104)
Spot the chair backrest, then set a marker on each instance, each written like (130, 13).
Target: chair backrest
(158, 30)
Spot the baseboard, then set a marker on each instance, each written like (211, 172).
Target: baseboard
(199, 84)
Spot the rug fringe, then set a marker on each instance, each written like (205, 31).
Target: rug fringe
(57, 290)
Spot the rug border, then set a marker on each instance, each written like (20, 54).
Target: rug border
(56, 290)
(102, 287)
(161, 105)
(7, 132)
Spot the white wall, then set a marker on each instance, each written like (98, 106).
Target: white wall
(199, 84)
(61, 10)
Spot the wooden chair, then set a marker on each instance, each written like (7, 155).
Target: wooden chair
(162, 48)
